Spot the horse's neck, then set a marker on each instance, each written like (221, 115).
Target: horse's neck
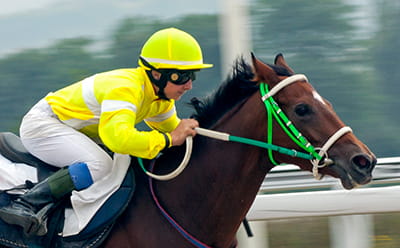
(222, 180)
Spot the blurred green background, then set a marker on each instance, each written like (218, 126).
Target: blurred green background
(348, 49)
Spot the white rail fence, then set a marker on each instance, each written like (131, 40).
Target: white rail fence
(288, 192)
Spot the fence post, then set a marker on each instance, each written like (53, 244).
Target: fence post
(351, 231)
(234, 32)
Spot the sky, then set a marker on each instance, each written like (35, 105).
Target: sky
(21, 6)
(38, 23)
(34, 24)
(169, 8)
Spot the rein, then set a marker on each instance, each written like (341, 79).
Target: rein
(318, 156)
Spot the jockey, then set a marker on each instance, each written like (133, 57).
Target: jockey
(65, 127)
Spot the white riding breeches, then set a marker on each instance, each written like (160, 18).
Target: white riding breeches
(57, 144)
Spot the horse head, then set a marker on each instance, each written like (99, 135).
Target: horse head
(314, 117)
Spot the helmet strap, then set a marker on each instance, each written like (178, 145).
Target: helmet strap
(160, 83)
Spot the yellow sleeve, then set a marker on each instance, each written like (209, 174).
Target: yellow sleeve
(164, 122)
(118, 133)
(117, 126)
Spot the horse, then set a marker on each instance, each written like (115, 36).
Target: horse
(211, 198)
(205, 205)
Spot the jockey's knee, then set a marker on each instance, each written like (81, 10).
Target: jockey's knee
(100, 168)
(80, 175)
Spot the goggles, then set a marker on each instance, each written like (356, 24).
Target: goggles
(178, 77)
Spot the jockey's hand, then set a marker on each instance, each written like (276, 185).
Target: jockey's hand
(184, 129)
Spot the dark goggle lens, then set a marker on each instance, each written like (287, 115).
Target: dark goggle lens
(181, 77)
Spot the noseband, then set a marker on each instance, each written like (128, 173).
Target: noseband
(320, 154)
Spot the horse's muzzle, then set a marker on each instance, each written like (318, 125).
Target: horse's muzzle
(362, 165)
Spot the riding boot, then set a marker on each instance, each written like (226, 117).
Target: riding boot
(30, 210)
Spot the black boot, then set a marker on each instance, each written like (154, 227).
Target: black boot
(30, 210)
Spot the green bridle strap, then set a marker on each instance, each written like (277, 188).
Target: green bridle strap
(269, 134)
(274, 110)
(270, 147)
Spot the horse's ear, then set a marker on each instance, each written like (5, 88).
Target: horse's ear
(279, 60)
(263, 72)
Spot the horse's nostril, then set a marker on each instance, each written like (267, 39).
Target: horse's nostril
(362, 161)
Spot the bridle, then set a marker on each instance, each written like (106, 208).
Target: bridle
(319, 155)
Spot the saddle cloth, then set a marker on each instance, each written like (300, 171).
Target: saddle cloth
(90, 237)
(105, 198)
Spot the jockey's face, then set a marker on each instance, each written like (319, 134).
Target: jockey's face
(172, 90)
(175, 91)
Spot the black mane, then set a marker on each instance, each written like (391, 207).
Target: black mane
(237, 87)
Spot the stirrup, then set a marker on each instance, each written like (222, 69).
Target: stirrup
(29, 224)
(42, 217)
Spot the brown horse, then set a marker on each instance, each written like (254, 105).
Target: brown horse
(211, 197)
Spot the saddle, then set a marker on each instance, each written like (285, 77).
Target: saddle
(95, 232)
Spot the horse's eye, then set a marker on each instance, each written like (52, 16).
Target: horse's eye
(302, 109)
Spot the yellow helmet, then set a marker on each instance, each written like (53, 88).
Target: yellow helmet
(172, 48)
